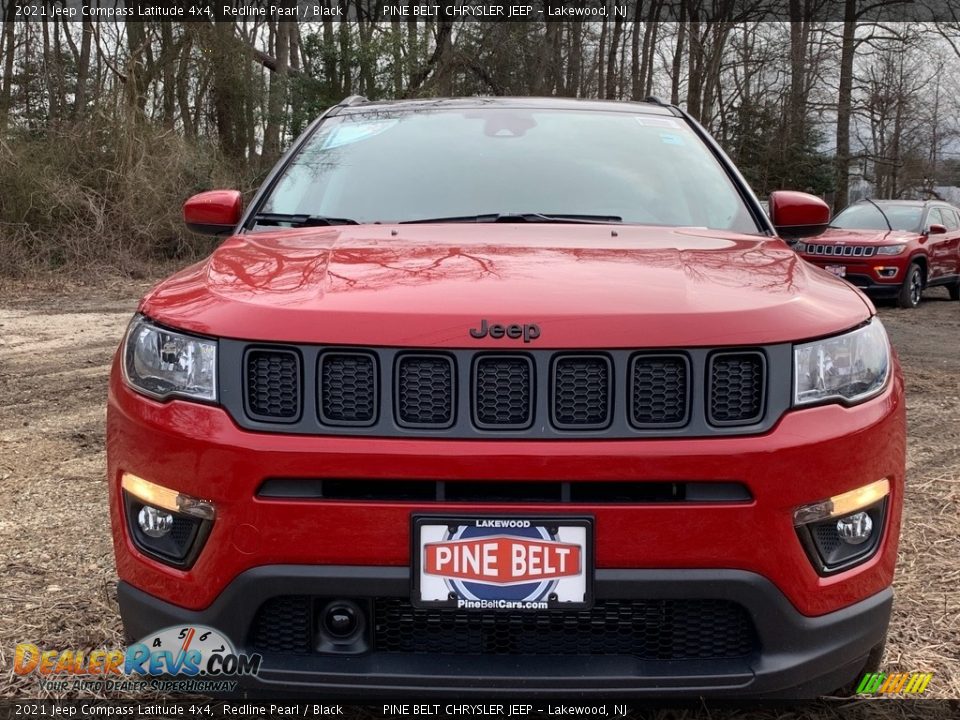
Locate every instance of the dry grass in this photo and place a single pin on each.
(103, 194)
(56, 340)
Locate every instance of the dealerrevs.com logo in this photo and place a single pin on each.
(192, 658)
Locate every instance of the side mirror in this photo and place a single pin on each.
(936, 229)
(797, 214)
(215, 212)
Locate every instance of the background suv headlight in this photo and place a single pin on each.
(847, 368)
(162, 363)
(890, 249)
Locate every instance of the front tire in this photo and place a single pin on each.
(912, 288)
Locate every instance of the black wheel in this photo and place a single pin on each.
(912, 287)
(954, 291)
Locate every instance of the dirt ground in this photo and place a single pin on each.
(58, 588)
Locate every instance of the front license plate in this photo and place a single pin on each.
(502, 563)
(838, 270)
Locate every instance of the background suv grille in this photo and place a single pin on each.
(273, 385)
(348, 388)
(736, 388)
(503, 392)
(581, 391)
(522, 393)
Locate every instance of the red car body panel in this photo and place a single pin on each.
(424, 286)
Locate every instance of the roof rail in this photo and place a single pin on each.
(654, 99)
(353, 100)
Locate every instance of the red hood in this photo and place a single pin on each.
(863, 237)
(585, 286)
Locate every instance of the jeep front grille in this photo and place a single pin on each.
(388, 392)
(348, 388)
(425, 391)
(659, 392)
(736, 388)
(503, 391)
(841, 250)
(273, 385)
(581, 391)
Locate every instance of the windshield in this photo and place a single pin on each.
(864, 216)
(402, 166)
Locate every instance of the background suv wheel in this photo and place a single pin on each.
(912, 288)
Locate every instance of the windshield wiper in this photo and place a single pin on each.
(879, 210)
(300, 220)
(521, 218)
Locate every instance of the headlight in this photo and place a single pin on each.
(890, 249)
(800, 247)
(849, 367)
(162, 363)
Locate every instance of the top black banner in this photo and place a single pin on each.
(449, 11)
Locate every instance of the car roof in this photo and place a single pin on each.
(359, 105)
(904, 203)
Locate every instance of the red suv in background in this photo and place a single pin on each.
(511, 396)
(892, 248)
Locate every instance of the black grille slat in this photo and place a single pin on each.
(646, 629)
(348, 388)
(503, 392)
(659, 390)
(425, 391)
(581, 392)
(736, 389)
(273, 385)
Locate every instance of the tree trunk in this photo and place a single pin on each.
(848, 48)
(601, 58)
(183, 83)
(9, 50)
(83, 68)
(678, 56)
(136, 73)
(277, 103)
(636, 81)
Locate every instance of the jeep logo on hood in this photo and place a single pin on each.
(527, 332)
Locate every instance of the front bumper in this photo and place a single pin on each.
(864, 275)
(795, 656)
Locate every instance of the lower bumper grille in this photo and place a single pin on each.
(645, 629)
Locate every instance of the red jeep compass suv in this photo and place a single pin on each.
(521, 396)
(892, 248)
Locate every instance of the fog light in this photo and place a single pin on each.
(855, 529)
(155, 523)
